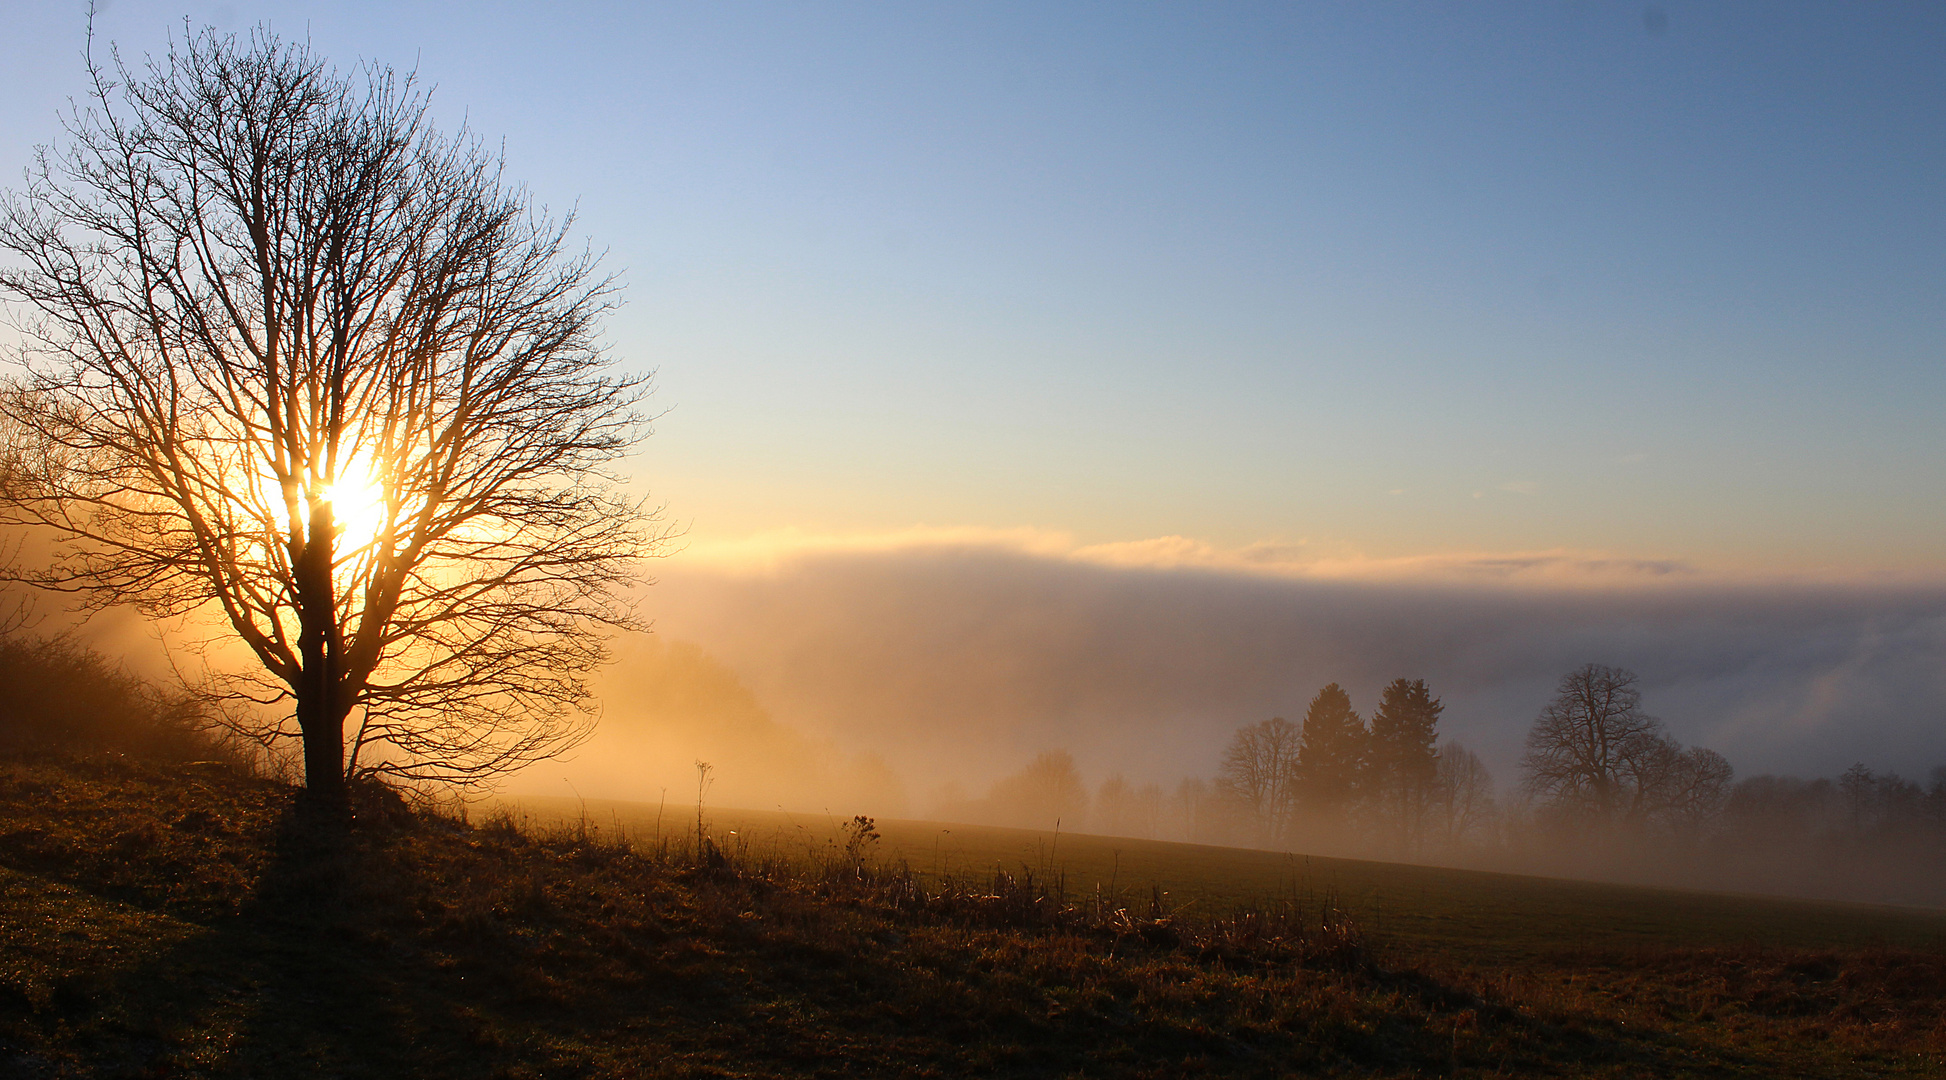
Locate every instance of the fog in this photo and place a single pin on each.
(666, 706)
(960, 662)
(1004, 682)
(1022, 683)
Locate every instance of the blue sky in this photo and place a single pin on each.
(1367, 281)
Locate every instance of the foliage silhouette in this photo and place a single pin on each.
(302, 362)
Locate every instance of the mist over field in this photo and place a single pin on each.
(959, 662)
(1019, 684)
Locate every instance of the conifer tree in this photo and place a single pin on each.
(1331, 751)
(1402, 762)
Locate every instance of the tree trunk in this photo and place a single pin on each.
(320, 714)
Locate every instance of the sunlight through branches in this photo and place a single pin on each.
(301, 361)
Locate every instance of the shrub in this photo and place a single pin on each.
(57, 695)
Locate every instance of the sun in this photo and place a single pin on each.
(357, 507)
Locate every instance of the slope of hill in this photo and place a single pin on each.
(186, 920)
(1511, 918)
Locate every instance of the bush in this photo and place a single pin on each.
(59, 696)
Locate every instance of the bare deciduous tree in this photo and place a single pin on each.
(1589, 744)
(1122, 809)
(1462, 794)
(1047, 794)
(1190, 807)
(1594, 753)
(1693, 789)
(1259, 774)
(300, 361)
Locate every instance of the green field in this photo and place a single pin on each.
(1486, 917)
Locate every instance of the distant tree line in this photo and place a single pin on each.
(1280, 782)
(1603, 790)
(1594, 760)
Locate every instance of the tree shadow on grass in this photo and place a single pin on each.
(307, 977)
(400, 946)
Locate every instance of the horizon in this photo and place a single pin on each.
(1533, 308)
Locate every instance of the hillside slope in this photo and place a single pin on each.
(185, 920)
(1509, 918)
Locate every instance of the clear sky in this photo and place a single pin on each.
(1370, 280)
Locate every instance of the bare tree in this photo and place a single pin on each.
(302, 362)
(1259, 775)
(1693, 789)
(1047, 794)
(1858, 785)
(1462, 794)
(1886, 801)
(1191, 812)
(1122, 809)
(1594, 753)
(1590, 748)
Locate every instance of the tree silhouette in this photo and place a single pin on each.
(1122, 809)
(1693, 788)
(1047, 794)
(1580, 748)
(300, 361)
(1400, 758)
(1331, 751)
(1462, 796)
(1859, 784)
(1259, 774)
(1593, 753)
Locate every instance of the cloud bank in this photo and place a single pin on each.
(959, 655)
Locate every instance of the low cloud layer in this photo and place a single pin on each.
(959, 657)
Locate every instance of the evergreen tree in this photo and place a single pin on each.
(1331, 751)
(1402, 762)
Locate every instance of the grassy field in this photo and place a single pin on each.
(1488, 917)
(185, 920)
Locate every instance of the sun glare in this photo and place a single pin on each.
(357, 506)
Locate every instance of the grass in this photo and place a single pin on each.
(1488, 917)
(187, 921)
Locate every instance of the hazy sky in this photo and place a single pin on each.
(1360, 280)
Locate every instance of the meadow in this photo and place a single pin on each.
(1487, 917)
(190, 919)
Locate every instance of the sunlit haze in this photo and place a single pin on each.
(1573, 331)
(977, 538)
